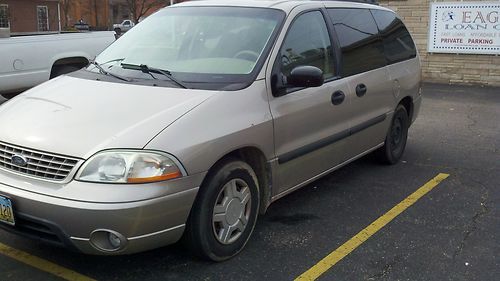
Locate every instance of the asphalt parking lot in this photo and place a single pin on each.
(450, 233)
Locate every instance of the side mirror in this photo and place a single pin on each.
(306, 76)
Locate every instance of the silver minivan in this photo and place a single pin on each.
(198, 118)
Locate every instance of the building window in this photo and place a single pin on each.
(43, 18)
(4, 16)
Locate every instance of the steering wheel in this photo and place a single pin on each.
(246, 54)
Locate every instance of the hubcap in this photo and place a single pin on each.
(396, 133)
(232, 211)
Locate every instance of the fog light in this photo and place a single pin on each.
(108, 240)
(114, 240)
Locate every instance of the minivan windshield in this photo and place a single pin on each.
(200, 45)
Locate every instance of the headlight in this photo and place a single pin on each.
(129, 166)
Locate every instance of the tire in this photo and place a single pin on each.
(63, 69)
(395, 141)
(216, 229)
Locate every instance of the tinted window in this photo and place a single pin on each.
(362, 48)
(398, 44)
(308, 43)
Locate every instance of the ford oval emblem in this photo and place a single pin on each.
(19, 160)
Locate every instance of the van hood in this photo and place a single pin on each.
(78, 117)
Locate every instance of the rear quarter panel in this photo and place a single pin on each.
(406, 77)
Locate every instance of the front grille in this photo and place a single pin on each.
(39, 164)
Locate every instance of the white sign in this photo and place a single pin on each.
(465, 27)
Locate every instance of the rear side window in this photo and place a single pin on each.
(362, 48)
(398, 44)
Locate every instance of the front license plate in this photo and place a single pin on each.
(6, 213)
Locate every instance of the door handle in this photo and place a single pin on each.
(361, 90)
(338, 97)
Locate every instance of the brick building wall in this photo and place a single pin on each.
(23, 15)
(444, 68)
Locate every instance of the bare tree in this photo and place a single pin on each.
(139, 8)
(66, 4)
(96, 10)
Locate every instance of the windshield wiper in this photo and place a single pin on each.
(103, 71)
(110, 61)
(146, 69)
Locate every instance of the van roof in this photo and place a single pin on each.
(285, 5)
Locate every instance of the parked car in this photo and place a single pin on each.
(27, 61)
(82, 25)
(125, 26)
(195, 121)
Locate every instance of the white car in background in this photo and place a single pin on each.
(125, 26)
(27, 61)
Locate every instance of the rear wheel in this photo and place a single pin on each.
(395, 141)
(225, 212)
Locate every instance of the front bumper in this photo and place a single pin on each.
(144, 224)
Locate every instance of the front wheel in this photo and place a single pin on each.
(225, 212)
(395, 141)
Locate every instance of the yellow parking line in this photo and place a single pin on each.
(334, 257)
(42, 264)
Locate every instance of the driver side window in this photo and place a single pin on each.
(308, 43)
